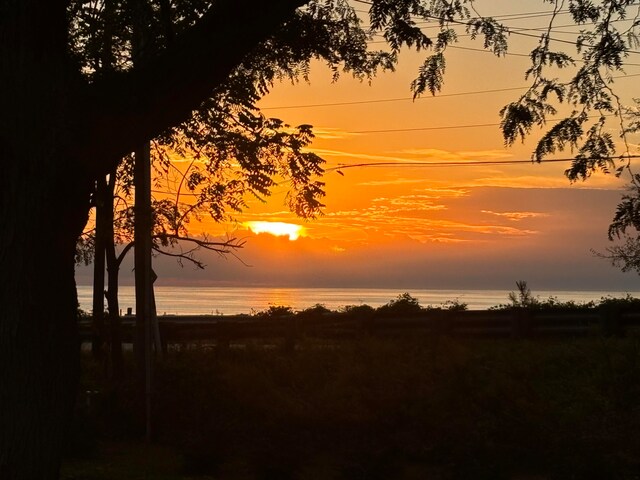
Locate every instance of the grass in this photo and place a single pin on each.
(126, 460)
(375, 409)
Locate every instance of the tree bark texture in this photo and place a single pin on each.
(43, 207)
(58, 135)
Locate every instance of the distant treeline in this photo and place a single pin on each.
(405, 305)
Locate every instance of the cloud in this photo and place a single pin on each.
(328, 133)
(533, 181)
(442, 155)
(516, 216)
(425, 154)
(360, 156)
(414, 221)
(395, 181)
(412, 202)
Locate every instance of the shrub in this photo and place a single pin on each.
(403, 305)
(275, 311)
(450, 306)
(625, 302)
(318, 310)
(358, 311)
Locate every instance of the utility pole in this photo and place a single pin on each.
(97, 343)
(144, 286)
(143, 229)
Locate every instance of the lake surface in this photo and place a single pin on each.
(233, 300)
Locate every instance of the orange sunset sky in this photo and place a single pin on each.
(446, 226)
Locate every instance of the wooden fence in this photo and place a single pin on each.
(513, 323)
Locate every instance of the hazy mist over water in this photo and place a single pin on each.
(233, 300)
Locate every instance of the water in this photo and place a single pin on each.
(233, 300)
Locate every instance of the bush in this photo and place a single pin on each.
(318, 310)
(403, 305)
(276, 311)
(622, 303)
(450, 306)
(358, 311)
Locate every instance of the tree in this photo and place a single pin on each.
(523, 298)
(626, 221)
(236, 150)
(58, 134)
(64, 126)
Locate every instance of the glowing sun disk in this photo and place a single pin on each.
(279, 229)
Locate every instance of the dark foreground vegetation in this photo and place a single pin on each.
(418, 407)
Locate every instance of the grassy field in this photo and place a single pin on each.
(411, 408)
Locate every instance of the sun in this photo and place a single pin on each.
(279, 229)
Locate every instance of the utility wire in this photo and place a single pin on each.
(399, 99)
(440, 164)
(424, 129)
(458, 22)
(462, 164)
(447, 127)
(429, 25)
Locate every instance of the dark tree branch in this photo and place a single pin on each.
(222, 248)
(124, 252)
(125, 109)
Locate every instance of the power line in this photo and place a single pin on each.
(441, 164)
(530, 35)
(511, 17)
(429, 25)
(446, 127)
(399, 99)
(515, 32)
(513, 54)
(424, 129)
(463, 164)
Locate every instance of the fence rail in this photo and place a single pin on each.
(513, 323)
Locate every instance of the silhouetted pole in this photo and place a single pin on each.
(142, 237)
(97, 342)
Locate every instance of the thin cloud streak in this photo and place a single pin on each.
(517, 216)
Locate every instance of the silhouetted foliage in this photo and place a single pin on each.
(524, 297)
(626, 302)
(450, 306)
(403, 305)
(78, 97)
(316, 311)
(276, 311)
(358, 311)
(369, 409)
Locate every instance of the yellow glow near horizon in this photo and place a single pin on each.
(279, 229)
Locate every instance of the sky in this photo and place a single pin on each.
(446, 226)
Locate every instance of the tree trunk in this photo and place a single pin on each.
(44, 200)
(115, 330)
(116, 362)
(142, 234)
(58, 134)
(39, 359)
